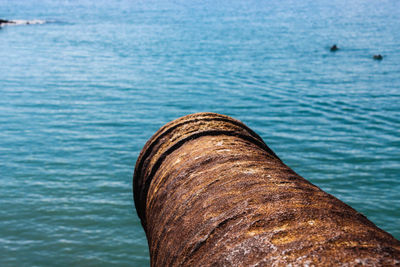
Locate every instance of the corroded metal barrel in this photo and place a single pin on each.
(209, 191)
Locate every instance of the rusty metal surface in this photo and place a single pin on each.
(210, 192)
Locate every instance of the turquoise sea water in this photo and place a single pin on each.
(81, 93)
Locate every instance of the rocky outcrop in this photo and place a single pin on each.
(4, 21)
(22, 22)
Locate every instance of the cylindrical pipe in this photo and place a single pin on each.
(209, 191)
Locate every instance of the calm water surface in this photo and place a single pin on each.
(81, 94)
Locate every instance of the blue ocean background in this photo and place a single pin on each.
(81, 93)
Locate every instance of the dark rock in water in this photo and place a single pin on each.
(378, 57)
(334, 48)
(4, 21)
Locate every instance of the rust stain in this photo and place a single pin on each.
(209, 192)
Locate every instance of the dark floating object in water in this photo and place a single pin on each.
(210, 192)
(334, 48)
(378, 57)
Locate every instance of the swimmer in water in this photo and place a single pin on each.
(334, 48)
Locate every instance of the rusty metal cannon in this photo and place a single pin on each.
(209, 191)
